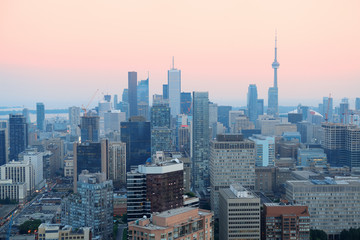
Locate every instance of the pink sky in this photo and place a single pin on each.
(60, 52)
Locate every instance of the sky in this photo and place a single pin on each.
(60, 52)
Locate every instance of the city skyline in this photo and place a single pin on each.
(219, 48)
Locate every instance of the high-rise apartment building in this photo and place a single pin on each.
(232, 160)
(91, 206)
(200, 143)
(40, 116)
(137, 136)
(132, 94)
(179, 223)
(252, 102)
(74, 120)
(333, 203)
(285, 222)
(154, 188)
(239, 215)
(18, 135)
(116, 168)
(265, 150)
(90, 128)
(273, 103)
(174, 90)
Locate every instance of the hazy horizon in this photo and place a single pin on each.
(59, 53)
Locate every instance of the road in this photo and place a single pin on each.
(5, 227)
(120, 231)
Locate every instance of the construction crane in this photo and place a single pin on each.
(91, 99)
(10, 225)
(327, 109)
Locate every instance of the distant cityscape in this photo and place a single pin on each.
(183, 167)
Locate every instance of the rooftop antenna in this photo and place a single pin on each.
(173, 63)
(148, 75)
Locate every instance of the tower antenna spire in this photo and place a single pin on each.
(173, 65)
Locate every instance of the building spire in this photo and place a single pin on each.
(275, 45)
(173, 63)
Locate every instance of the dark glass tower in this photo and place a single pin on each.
(132, 94)
(223, 115)
(2, 146)
(252, 103)
(18, 133)
(136, 135)
(40, 116)
(185, 103)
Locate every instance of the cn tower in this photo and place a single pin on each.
(273, 106)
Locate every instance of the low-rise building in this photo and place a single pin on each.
(179, 223)
(48, 231)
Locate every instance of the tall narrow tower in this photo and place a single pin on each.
(273, 104)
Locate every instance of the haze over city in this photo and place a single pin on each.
(59, 53)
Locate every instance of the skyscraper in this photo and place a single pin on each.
(186, 103)
(132, 86)
(232, 160)
(143, 98)
(18, 134)
(273, 104)
(223, 115)
(40, 116)
(328, 108)
(165, 91)
(260, 107)
(252, 102)
(357, 104)
(136, 135)
(91, 156)
(3, 146)
(174, 90)
(90, 128)
(74, 120)
(344, 111)
(161, 134)
(116, 169)
(200, 149)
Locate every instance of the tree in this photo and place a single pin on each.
(318, 235)
(29, 225)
